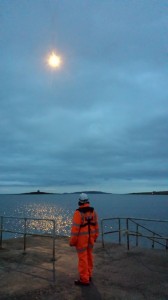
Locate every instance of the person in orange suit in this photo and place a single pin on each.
(84, 232)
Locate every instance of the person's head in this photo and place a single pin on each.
(83, 199)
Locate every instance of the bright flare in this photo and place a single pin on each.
(54, 60)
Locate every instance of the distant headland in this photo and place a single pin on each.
(39, 193)
(151, 193)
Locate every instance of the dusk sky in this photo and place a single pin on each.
(100, 120)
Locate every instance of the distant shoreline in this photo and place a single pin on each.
(150, 193)
(41, 193)
(91, 192)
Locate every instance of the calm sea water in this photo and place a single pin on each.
(61, 208)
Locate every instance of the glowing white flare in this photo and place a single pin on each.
(54, 60)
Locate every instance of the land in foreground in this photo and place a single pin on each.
(118, 273)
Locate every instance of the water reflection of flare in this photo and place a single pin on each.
(62, 217)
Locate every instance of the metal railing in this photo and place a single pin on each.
(24, 231)
(127, 231)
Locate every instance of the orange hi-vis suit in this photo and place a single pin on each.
(84, 233)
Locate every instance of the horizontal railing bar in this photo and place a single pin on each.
(38, 234)
(115, 218)
(122, 230)
(145, 219)
(107, 232)
(11, 231)
(27, 233)
(132, 218)
(27, 218)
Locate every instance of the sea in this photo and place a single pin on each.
(60, 207)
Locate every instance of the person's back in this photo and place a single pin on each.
(84, 233)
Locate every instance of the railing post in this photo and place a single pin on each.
(119, 228)
(25, 232)
(137, 233)
(53, 240)
(102, 233)
(1, 231)
(127, 234)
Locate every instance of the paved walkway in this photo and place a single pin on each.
(118, 274)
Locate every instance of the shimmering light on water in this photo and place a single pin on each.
(38, 209)
(61, 208)
(61, 216)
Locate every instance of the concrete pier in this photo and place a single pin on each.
(118, 273)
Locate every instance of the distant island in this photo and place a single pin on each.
(151, 193)
(36, 193)
(39, 193)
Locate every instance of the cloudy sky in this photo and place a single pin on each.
(100, 121)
